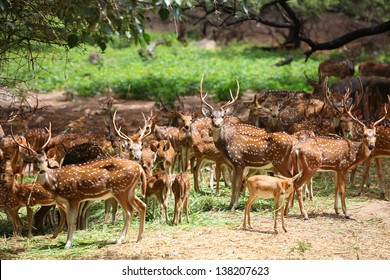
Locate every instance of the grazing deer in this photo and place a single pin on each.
(374, 68)
(158, 188)
(11, 205)
(333, 154)
(263, 186)
(100, 179)
(246, 146)
(336, 68)
(181, 190)
(29, 195)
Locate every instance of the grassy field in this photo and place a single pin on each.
(174, 70)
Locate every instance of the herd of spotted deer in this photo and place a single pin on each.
(292, 134)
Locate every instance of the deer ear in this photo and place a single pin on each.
(206, 112)
(229, 111)
(153, 146)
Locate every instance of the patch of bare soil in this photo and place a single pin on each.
(324, 236)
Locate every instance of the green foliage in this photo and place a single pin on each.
(174, 70)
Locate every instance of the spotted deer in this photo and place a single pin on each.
(181, 190)
(246, 146)
(263, 186)
(29, 195)
(164, 155)
(203, 147)
(337, 155)
(11, 205)
(100, 179)
(158, 188)
(135, 144)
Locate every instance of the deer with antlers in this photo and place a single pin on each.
(246, 146)
(333, 154)
(96, 180)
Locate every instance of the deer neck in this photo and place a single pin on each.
(361, 152)
(48, 179)
(220, 136)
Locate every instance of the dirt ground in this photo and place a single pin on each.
(325, 236)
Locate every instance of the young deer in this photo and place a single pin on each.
(158, 187)
(164, 155)
(100, 179)
(29, 195)
(181, 190)
(263, 186)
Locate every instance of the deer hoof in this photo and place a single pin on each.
(347, 217)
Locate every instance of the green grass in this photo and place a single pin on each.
(174, 70)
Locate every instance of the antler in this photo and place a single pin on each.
(346, 96)
(384, 116)
(48, 138)
(203, 97)
(118, 131)
(234, 99)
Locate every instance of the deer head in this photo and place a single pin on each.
(217, 115)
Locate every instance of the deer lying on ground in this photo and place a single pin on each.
(158, 187)
(181, 190)
(100, 179)
(263, 186)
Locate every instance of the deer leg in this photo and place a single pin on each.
(380, 176)
(16, 221)
(196, 174)
(352, 177)
(217, 176)
(365, 175)
(342, 179)
(212, 173)
(282, 215)
(186, 205)
(61, 222)
(247, 211)
(165, 206)
(107, 206)
(140, 206)
(276, 211)
(30, 213)
(238, 173)
(336, 193)
(114, 205)
(226, 176)
(71, 220)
